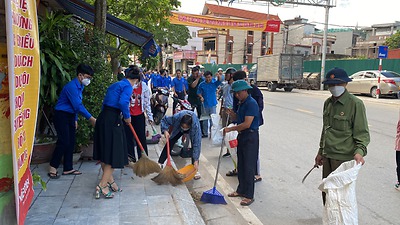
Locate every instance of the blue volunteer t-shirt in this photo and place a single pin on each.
(178, 84)
(208, 91)
(248, 107)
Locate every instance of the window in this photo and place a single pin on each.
(249, 49)
(194, 34)
(229, 47)
(250, 32)
(209, 44)
(263, 35)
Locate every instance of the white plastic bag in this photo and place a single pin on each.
(340, 189)
(216, 132)
(231, 139)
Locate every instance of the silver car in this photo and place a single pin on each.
(366, 82)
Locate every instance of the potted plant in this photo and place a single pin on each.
(55, 64)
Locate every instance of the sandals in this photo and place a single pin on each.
(234, 195)
(53, 175)
(99, 191)
(197, 176)
(231, 173)
(247, 201)
(112, 188)
(72, 172)
(257, 179)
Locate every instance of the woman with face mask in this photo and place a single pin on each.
(175, 126)
(65, 120)
(139, 104)
(109, 146)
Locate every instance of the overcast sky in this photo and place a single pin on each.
(346, 13)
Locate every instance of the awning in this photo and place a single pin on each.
(114, 26)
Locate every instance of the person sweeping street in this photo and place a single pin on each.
(177, 125)
(109, 146)
(247, 118)
(68, 106)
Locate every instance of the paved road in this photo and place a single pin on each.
(288, 144)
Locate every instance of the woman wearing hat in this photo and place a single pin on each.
(247, 118)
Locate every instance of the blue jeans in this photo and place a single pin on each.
(208, 111)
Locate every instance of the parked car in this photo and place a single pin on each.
(366, 82)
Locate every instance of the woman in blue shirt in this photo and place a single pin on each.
(65, 119)
(109, 145)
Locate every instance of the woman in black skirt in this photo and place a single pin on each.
(109, 137)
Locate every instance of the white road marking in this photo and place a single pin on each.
(304, 111)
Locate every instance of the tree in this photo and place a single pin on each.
(149, 15)
(394, 41)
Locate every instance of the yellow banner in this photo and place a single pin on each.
(224, 23)
(24, 78)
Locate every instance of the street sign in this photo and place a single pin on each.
(383, 52)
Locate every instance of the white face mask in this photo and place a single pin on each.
(86, 81)
(337, 91)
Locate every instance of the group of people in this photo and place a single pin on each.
(345, 134)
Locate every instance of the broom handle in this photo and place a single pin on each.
(136, 137)
(154, 129)
(168, 154)
(220, 154)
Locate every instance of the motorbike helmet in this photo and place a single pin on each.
(230, 70)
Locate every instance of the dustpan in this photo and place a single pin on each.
(188, 171)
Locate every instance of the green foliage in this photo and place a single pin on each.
(150, 15)
(393, 42)
(38, 179)
(90, 48)
(54, 57)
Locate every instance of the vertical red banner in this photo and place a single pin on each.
(24, 77)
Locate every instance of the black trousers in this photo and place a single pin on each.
(247, 154)
(64, 123)
(172, 141)
(398, 165)
(181, 95)
(139, 124)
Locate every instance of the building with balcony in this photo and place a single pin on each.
(373, 37)
(236, 46)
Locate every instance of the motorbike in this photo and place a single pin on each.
(159, 104)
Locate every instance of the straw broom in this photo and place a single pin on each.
(168, 174)
(144, 166)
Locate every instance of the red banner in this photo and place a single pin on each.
(224, 23)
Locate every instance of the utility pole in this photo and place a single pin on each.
(324, 45)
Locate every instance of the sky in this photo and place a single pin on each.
(347, 13)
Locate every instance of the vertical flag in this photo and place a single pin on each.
(24, 79)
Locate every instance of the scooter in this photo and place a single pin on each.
(159, 104)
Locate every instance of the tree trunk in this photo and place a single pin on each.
(100, 17)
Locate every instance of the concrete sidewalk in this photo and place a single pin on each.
(70, 199)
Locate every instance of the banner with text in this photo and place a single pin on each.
(224, 23)
(24, 78)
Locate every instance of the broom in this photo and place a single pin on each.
(144, 166)
(213, 196)
(168, 174)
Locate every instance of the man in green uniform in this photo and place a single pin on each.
(345, 133)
